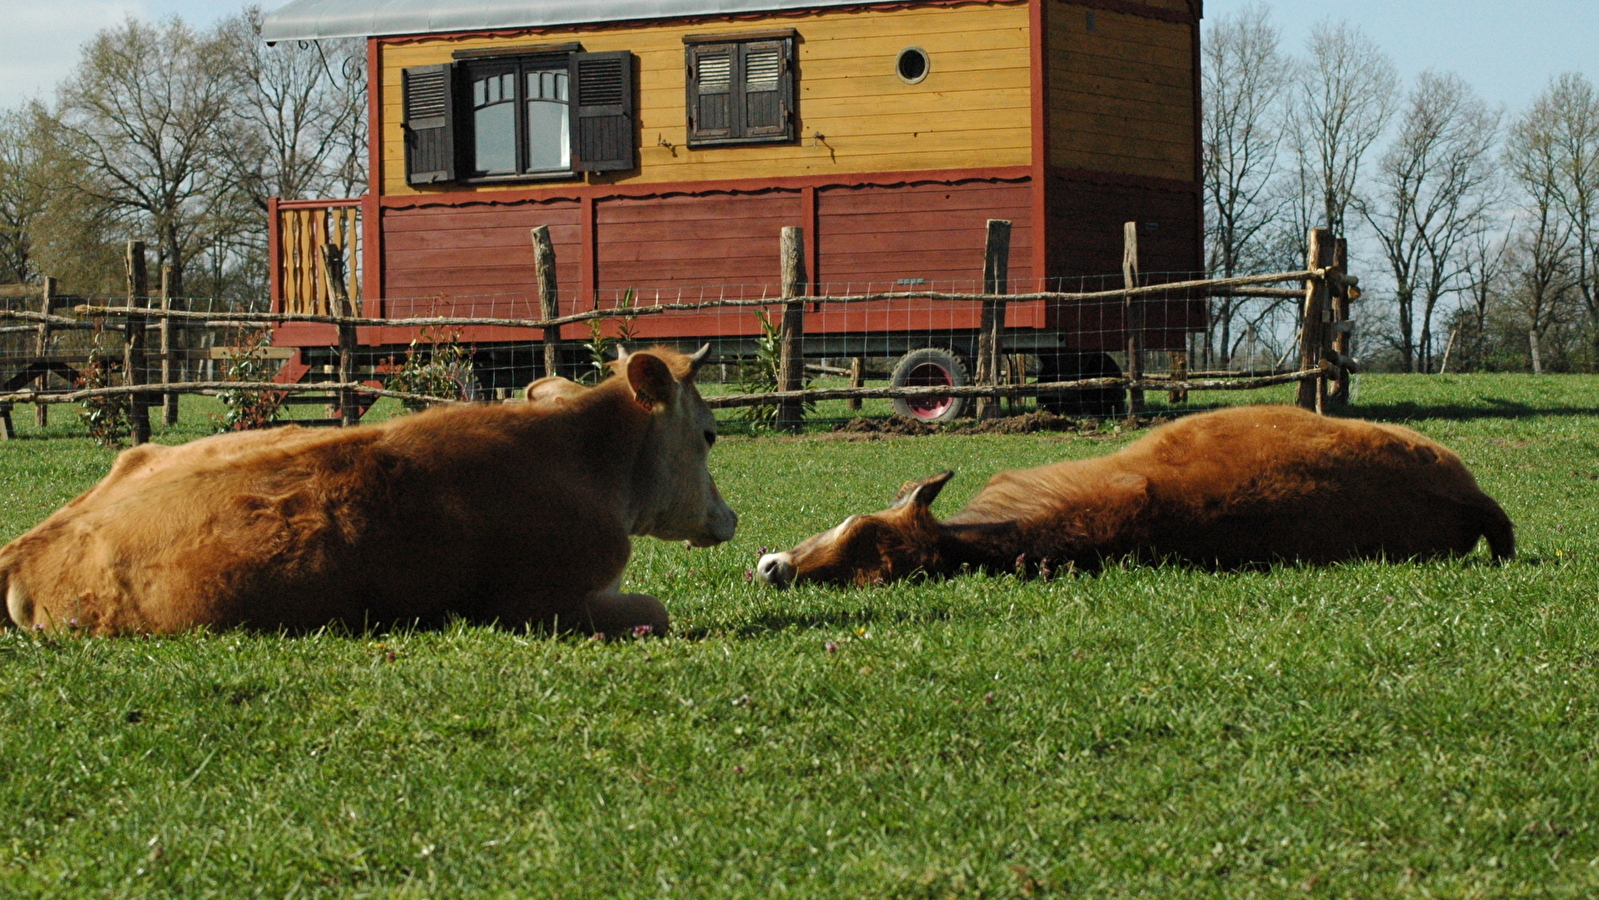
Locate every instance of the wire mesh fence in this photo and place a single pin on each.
(782, 353)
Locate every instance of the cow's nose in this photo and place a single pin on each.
(775, 569)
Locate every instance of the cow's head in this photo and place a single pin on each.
(894, 543)
(684, 503)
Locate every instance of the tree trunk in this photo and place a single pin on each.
(1532, 344)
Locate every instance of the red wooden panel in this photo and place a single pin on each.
(1085, 239)
(477, 260)
(693, 243)
(935, 232)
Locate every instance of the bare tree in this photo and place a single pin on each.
(1344, 94)
(1484, 271)
(1243, 77)
(24, 196)
(1546, 266)
(144, 111)
(1566, 116)
(298, 128)
(1434, 187)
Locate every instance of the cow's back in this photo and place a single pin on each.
(1255, 484)
(296, 529)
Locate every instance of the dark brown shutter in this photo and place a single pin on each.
(602, 111)
(429, 98)
(767, 80)
(711, 77)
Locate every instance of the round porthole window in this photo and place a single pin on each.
(911, 65)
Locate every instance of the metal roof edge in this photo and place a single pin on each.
(310, 20)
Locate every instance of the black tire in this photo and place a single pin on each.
(1074, 365)
(928, 366)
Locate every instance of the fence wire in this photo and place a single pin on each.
(921, 339)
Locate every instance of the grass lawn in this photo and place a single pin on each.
(1360, 731)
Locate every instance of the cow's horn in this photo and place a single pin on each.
(621, 352)
(698, 358)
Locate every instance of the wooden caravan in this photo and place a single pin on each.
(665, 144)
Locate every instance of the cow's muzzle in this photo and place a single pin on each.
(720, 528)
(776, 570)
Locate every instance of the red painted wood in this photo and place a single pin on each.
(1038, 41)
(599, 192)
(372, 255)
(274, 255)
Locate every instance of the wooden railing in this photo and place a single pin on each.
(299, 232)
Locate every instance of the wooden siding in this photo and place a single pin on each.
(1085, 241)
(464, 260)
(972, 110)
(1120, 97)
(720, 242)
(874, 236)
(458, 259)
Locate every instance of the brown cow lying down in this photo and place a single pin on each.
(1243, 486)
(517, 513)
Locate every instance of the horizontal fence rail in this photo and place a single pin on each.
(1002, 372)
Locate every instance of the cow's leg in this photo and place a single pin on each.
(614, 613)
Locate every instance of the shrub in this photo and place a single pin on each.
(106, 416)
(249, 409)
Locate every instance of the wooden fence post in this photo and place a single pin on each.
(1132, 318)
(996, 280)
(1340, 323)
(857, 378)
(338, 286)
(791, 359)
(1312, 340)
(47, 296)
(549, 297)
(169, 399)
(133, 356)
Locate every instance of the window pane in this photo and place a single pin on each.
(548, 142)
(494, 124)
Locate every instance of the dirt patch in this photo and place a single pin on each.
(1030, 423)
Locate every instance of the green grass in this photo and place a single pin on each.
(1359, 731)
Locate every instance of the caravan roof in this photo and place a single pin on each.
(303, 20)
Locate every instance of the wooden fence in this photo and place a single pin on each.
(1322, 287)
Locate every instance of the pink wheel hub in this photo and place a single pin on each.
(929, 375)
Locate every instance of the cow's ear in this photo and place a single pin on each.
(922, 492)
(651, 380)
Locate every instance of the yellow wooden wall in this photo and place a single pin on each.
(971, 111)
(1121, 97)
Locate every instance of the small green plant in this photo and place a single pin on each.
(106, 416)
(759, 375)
(436, 365)
(250, 409)
(599, 344)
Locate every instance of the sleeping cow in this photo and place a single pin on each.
(517, 513)
(1239, 487)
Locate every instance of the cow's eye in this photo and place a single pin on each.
(710, 439)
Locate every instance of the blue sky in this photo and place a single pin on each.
(1508, 51)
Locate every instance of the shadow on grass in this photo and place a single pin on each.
(1496, 408)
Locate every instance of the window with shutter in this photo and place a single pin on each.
(741, 88)
(507, 114)
(428, 99)
(603, 111)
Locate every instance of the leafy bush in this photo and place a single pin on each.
(249, 409)
(106, 416)
(599, 344)
(436, 366)
(760, 374)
